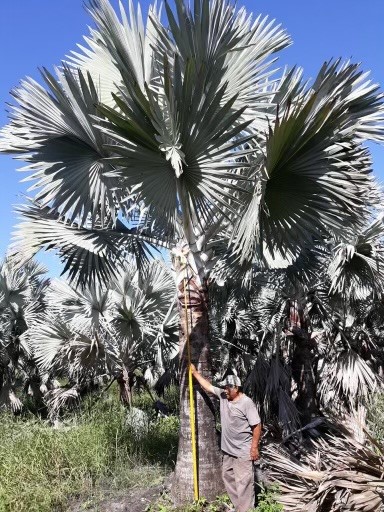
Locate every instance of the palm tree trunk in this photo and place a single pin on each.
(303, 375)
(195, 319)
(124, 387)
(302, 363)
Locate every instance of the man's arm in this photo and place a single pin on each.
(256, 433)
(204, 383)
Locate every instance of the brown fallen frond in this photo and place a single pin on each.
(337, 473)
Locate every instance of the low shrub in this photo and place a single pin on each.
(267, 500)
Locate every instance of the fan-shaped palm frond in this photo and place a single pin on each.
(14, 287)
(200, 142)
(68, 152)
(227, 44)
(312, 160)
(127, 45)
(133, 316)
(143, 303)
(350, 376)
(87, 305)
(193, 168)
(73, 349)
(357, 268)
(89, 254)
(49, 338)
(158, 282)
(270, 306)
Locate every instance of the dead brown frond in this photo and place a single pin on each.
(337, 473)
(60, 398)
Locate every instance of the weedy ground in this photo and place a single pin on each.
(266, 503)
(96, 461)
(94, 452)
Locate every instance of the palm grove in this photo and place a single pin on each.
(176, 133)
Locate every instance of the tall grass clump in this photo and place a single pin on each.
(99, 447)
(375, 416)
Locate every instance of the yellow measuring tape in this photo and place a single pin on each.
(191, 396)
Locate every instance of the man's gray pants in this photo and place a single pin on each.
(239, 482)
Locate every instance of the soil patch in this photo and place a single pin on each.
(132, 500)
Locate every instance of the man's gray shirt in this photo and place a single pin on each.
(237, 418)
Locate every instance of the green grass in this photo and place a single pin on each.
(170, 399)
(96, 454)
(267, 502)
(41, 468)
(375, 416)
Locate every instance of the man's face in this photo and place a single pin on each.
(231, 392)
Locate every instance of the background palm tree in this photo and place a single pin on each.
(304, 346)
(22, 301)
(90, 335)
(179, 136)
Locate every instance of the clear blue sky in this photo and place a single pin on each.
(35, 33)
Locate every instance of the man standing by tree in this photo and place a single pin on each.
(240, 436)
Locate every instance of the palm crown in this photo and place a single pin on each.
(166, 135)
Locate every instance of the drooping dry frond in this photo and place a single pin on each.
(60, 398)
(337, 473)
